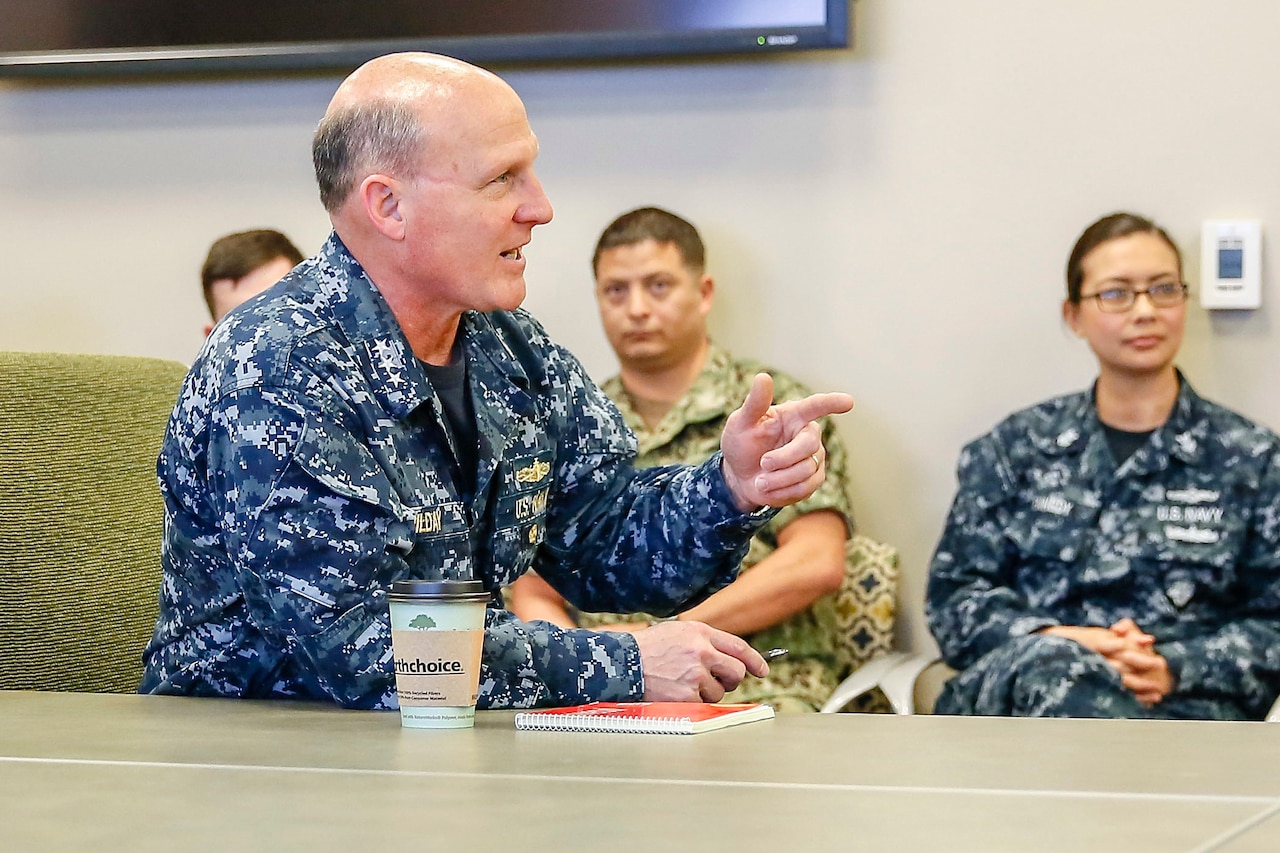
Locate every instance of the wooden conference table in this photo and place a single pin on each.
(105, 772)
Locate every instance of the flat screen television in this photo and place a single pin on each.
(87, 37)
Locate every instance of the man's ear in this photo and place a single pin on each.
(380, 200)
(707, 288)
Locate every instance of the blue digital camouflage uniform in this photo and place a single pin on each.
(305, 468)
(688, 434)
(1183, 538)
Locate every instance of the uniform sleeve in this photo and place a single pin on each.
(624, 540)
(972, 606)
(656, 541)
(533, 664)
(1241, 658)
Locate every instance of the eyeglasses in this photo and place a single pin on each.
(1166, 294)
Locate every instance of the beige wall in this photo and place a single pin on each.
(891, 220)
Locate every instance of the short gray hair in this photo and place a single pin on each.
(378, 135)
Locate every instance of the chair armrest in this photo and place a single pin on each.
(899, 683)
(895, 674)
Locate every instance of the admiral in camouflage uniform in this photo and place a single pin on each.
(306, 468)
(1184, 538)
(690, 433)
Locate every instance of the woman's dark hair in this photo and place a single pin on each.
(1108, 228)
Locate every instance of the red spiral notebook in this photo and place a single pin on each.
(656, 718)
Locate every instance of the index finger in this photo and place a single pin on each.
(819, 405)
(1140, 660)
(1107, 646)
(735, 646)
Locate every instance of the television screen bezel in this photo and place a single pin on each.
(336, 54)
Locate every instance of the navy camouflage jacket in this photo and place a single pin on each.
(305, 468)
(1184, 538)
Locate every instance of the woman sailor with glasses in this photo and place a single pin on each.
(1115, 552)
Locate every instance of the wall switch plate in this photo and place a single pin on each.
(1231, 264)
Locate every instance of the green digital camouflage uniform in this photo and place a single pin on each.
(689, 434)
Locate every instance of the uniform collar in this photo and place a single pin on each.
(498, 358)
(712, 393)
(364, 318)
(1185, 433)
(499, 362)
(1077, 430)
(366, 321)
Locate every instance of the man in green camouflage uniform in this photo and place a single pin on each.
(654, 295)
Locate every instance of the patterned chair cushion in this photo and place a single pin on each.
(865, 604)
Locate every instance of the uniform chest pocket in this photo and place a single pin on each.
(407, 509)
(1050, 527)
(439, 542)
(1190, 551)
(1049, 534)
(522, 490)
(347, 469)
(520, 509)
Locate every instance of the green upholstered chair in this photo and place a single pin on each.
(80, 517)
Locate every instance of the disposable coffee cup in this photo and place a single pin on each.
(437, 632)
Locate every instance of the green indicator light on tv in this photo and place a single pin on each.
(760, 40)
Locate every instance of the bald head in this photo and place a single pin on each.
(426, 165)
(404, 78)
(380, 117)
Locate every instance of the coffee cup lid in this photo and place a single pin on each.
(438, 587)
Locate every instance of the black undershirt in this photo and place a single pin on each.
(450, 384)
(1123, 443)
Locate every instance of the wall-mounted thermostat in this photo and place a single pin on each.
(1231, 264)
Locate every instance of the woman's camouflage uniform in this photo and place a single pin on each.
(1183, 538)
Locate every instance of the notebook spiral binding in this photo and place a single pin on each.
(592, 723)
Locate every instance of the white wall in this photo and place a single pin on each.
(891, 220)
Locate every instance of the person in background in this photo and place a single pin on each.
(388, 412)
(242, 265)
(675, 390)
(1115, 552)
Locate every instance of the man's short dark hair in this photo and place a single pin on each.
(661, 226)
(236, 255)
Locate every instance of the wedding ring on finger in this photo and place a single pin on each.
(817, 466)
